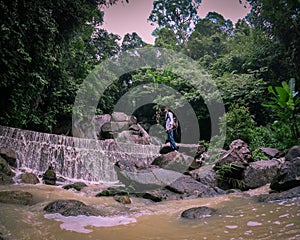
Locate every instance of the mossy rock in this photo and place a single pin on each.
(16, 197)
(77, 186)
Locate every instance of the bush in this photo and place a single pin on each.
(239, 124)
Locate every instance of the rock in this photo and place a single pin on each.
(29, 178)
(193, 150)
(113, 191)
(238, 153)
(49, 176)
(6, 174)
(260, 173)
(289, 194)
(155, 196)
(71, 208)
(148, 179)
(123, 199)
(77, 186)
(16, 197)
(131, 165)
(198, 212)
(270, 152)
(293, 153)
(9, 155)
(288, 175)
(175, 161)
(190, 187)
(99, 120)
(205, 175)
(120, 117)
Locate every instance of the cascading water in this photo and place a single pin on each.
(74, 158)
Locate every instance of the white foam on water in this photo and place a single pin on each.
(253, 224)
(231, 226)
(79, 223)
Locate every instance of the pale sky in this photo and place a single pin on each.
(128, 18)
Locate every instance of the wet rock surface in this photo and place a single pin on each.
(28, 178)
(72, 208)
(6, 174)
(16, 197)
(77, 186)
(288, 176)
(198, 213)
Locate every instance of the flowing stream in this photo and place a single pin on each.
(238, 217)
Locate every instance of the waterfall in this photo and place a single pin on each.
(74, 158)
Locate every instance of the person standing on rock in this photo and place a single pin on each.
(170, 128)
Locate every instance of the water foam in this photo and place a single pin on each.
(79, 223)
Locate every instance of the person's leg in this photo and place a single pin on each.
(172, 141)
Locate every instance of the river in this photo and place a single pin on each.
(238, 217)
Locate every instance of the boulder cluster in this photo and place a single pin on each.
(190, 173)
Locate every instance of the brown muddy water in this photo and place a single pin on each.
(238, 217)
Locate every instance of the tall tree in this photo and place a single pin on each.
(177, 15)
(166, 38)
(131, 41)
(46, 51)
(280, 21)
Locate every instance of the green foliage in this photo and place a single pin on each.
(258, 155)
(131, 41)
(46, 52)
(239, 124)
(226, 174)
(165, 38)
(287, 105)
(241, 89)
(280, 22)
(176, 15)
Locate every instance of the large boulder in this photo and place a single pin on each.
(71, 208)
(16, 197)
(189, 187)
(28, 178)
(198, 212)
(238, 152)
(293, 153)
(122, 127)
(99, 120)
(277, 196)
(205, 175)
(9, 155)
(260, 173)
(147, 179)
(6, 174)
(231, 165)
(288, 175)
(175, 161)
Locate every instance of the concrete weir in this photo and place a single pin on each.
(75, 158)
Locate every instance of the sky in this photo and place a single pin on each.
(125, 18)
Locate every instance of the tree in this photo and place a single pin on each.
(166, 38)
(280, 21)
(132, 41)
(45, 54)
(177, 15)
(105, 43)
(209, 37)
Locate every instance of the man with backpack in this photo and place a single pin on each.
(170, 128)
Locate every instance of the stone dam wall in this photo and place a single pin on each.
(74, 158)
